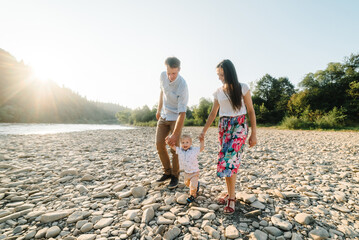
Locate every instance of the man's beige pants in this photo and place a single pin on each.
(164, 128)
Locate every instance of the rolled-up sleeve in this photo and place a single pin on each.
(183, 99)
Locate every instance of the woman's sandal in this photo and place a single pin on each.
(223, 199)
(229, 210)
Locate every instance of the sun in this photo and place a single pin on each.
(41, 71)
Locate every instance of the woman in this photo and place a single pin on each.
(233, 100)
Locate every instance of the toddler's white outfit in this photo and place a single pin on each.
(189, 163)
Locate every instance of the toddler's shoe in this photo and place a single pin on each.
(190, 199)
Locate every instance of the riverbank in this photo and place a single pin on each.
(101, 184)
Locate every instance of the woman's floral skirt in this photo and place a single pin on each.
(232, 136)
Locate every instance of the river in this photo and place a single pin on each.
(41, 128)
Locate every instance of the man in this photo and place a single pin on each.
(171, 114)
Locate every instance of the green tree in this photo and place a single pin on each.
(336, 86)
(272, 95)
(201, 112)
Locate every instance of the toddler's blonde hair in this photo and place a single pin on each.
(186, 135)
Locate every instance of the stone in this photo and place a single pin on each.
(76, 216)
(102, 195)
(284, 225)
(245, 197)
(87, 177)
(319, 234)
(131, 214)
(209, 216)
(24, 207)
(258, 204)
(87, 237)
(86, 227)
(253, 213)
(258, 235)
(183, 220)
(41, 233)
(104, 222)
(349, 231)
(53, 232)
(169, 215)
(14, 215)
(172, 233)
(69, 172)
(304, 218)
(212, 232)
(214, 207)
(34, 214)
(80, 223)
(54, 216)
(195, 214)
(127, 224)
(170, 200)
(82, 189)
(18, 229)
(30, 234)
(119, 187)
(231, 232)
(278, 193)
(138, 192)
(130, 230)
(182, 199)
(187, 237)
(340, 196)
(273, 231)
(149, 200)
(296, 236)
(148, 215)
(341, 208)
(162, 220)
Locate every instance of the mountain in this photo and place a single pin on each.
(24, 99)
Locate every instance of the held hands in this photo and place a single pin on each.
(171, 140)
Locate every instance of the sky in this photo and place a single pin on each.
(114, 50)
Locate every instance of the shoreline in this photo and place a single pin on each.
(295, 184)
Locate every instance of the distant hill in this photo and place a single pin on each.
(24, 99)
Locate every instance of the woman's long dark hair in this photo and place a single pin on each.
(234, 90)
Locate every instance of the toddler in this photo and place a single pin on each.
(187, 157)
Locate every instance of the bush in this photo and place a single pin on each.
(293, 122)
(309, 119)
(333, 119)
(189, 122)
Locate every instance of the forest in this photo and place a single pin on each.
(326, 99)
(24, 99)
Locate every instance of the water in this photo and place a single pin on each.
(39, 128)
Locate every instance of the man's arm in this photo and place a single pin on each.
(160, 104)
(171, 140)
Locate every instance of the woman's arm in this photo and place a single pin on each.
(252, 118)
(201, 148)
(210, 118)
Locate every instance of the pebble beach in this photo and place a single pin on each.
(102, 185)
